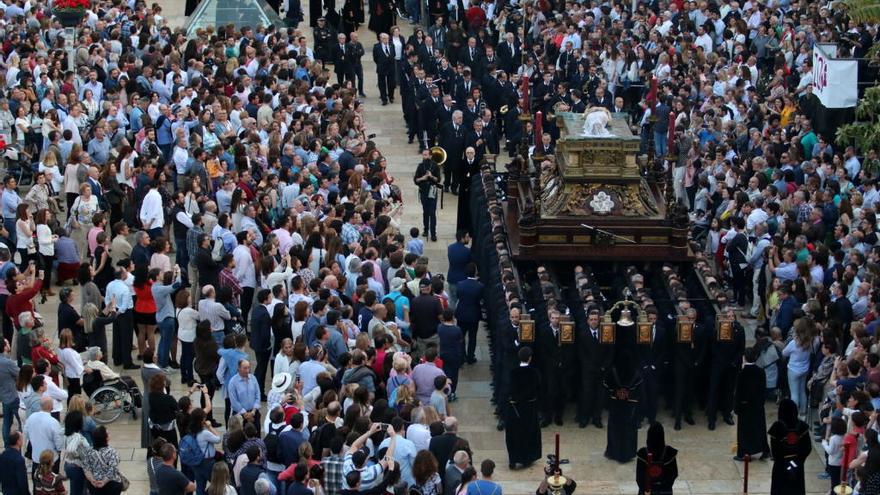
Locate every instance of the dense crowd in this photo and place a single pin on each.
(228, 220)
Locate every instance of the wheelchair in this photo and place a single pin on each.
(111, 398)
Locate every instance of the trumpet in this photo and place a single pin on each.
(438, 155)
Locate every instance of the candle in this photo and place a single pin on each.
(652, 93)
(650, 475)
(524, 88)
(671, 136)
(538, 129)
(746, 459)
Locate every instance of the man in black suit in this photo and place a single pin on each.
(451, 139)
(443, 445)
(342, 64)
(469, 111)
(468, 311)
(464, 86)
(356, 50)
(509, 54)
(726, 362)
(653, 359)
(618, 105)
(472, 56)
(428, 113)
(444, 112)
(261, 336)
(578, 105)
(490, 131)
(591, 355)
(477, 140)
(383, 56)
(556, 368)
(602, 98)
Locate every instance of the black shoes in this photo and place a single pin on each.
(677, 426)
(582, 424)
(729, 420)
(433, 238)
(130, 366)
(174, 365)
(689, 420)
(711, 425)
(545, 423)
(558, 420)
(500, 425)
(598, 423)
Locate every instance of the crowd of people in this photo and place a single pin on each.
(227, 220)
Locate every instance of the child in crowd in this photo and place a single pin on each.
(415, 245)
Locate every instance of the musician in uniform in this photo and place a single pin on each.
(556, 369)
(427, 178)
(591, 356)
(726, 361)
(523, 435)
(323, 41)
(656, 467)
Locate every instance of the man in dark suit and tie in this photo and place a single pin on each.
(602, 98)
(261, 336)
(556, 369)
(509, 54)
(618, 105)
(452, 140)
(592, 365)
(464, 86)
(342, 66)
(477, 140)
(468, 311)
(653, 359)
(472, 56)
(470, 166)
(383, 56)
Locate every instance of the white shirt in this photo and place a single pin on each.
(44, 433)
(57, 394)
(73, 365)
(244, 266)
(420, 435)
(151, 213)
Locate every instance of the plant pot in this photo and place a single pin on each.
(69, 17)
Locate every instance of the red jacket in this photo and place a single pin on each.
(18, 303)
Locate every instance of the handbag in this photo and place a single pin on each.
(125, 483)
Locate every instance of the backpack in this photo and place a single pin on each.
(190, 454)
(273, 446)
(316, 435)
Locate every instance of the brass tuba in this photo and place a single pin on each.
(438, 155)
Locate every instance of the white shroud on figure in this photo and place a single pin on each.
(596, 122)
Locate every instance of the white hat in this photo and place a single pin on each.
(281, 382)
(396, 284)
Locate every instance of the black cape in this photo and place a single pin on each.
(749, 408)
(790, 448)
(663, 471)
(523, 434)
(622, 424)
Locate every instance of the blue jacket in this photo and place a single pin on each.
(470, 299)
(14, 479)
(459, 256)
(309, 327)
(261, 329)
(288, 443)
(451, 343)
(785, 317)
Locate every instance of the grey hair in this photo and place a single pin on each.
(24, 318)
(261, 486)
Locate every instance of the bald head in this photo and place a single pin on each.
(46, 404)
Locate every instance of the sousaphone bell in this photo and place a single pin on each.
(438, 155)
